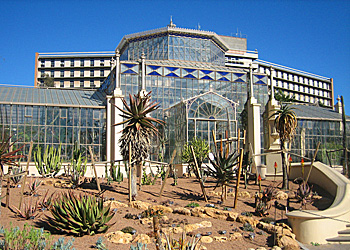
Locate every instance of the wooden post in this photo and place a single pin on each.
(130, 198)
(25, 176)
(167, 172)
(8, 186)
(238, 138)
(93, 165)
(238, 177)
(199, 174)
(312, 162)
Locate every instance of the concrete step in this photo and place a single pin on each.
(340, 239)
(346, 231)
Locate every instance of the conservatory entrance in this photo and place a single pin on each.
(198, 117)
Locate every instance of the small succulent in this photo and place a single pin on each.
(80, 214)
(100, 245)
(29, 210)
(46, 201)
(34, 186)
(304, 193)
(150, 213)
(192, 204)
(139, 246)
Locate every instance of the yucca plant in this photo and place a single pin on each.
(79, 214)
(222, 169)
(137, 131)
(304, 193)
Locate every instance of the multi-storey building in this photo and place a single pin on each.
(72, 69)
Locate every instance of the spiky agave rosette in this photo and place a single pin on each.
(80, 214)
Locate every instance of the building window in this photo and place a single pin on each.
(72, 62)
(43, 63)
(71, 84)
(28, 112)
(81, 83)
(72, 73)
(82, 73)
(61, 73)
(92, 72)
(92, 85)
(92, 62)
(52, 63)
(61, 84)
(81, 62)
(42, 73)
(52, 73)
(102, 63)
(62, 63)
(63, 112)
(102, 72)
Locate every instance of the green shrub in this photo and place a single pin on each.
(28, 238)
(61, 245)
(79, 214)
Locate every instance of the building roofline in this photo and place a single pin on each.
(291, 70)
(172, 29)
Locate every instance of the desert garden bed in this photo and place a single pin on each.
(223, 224)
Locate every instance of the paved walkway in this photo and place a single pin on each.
(326, 247)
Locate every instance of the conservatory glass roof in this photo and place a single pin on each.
(52, 97)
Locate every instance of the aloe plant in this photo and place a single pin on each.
(304, 193)
(29, 210)
(48, 164)
(186, 243)
(16, 179)
(80, 214)
(34, 186)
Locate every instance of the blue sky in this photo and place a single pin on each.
(313, 36)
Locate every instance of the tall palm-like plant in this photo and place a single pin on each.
(285, 124)
(138, 129)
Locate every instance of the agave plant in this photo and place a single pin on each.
(304, 193)
(222, 169)
(16, 179)
(137, 131)
(79, 214)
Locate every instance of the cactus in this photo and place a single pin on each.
(78, 165)
(50, 163)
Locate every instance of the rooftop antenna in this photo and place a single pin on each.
(199, 26)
